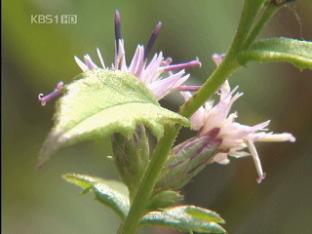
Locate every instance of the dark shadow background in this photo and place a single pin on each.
(36, 56)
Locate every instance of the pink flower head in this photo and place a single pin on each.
(158, 75)
(237, 139)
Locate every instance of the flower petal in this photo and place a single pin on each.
(162, 87)
(270, 137)
(221, 158)
(256, 158)
(197, 119)
(81, 64)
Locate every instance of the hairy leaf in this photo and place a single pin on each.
(186, 219)
(297, 52)
(102, 102)
(104, 191)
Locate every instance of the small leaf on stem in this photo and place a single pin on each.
(103, 190)
(186, 219)
(296, 52)
(164, 199)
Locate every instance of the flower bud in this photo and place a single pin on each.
(187, 160)
(131, 155)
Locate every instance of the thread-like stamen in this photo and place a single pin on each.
(152, 39)
(100, 57)
(50, 96)
(191, 64)
(190, 88)
(117, 30)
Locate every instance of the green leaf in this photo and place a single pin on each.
(186, 219)
(105, 191)
(164, 199)
(101, 102)
(204, 214)
(297, 52)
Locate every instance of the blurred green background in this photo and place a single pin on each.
(36, 56)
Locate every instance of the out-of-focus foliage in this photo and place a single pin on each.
(37, 55)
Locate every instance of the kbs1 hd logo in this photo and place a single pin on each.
(53, 19)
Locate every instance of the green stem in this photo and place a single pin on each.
(149, 180)
(217, 78)
(229, 64)
(250, 11)
(270, 10)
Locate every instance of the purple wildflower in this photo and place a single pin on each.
(158, 75)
